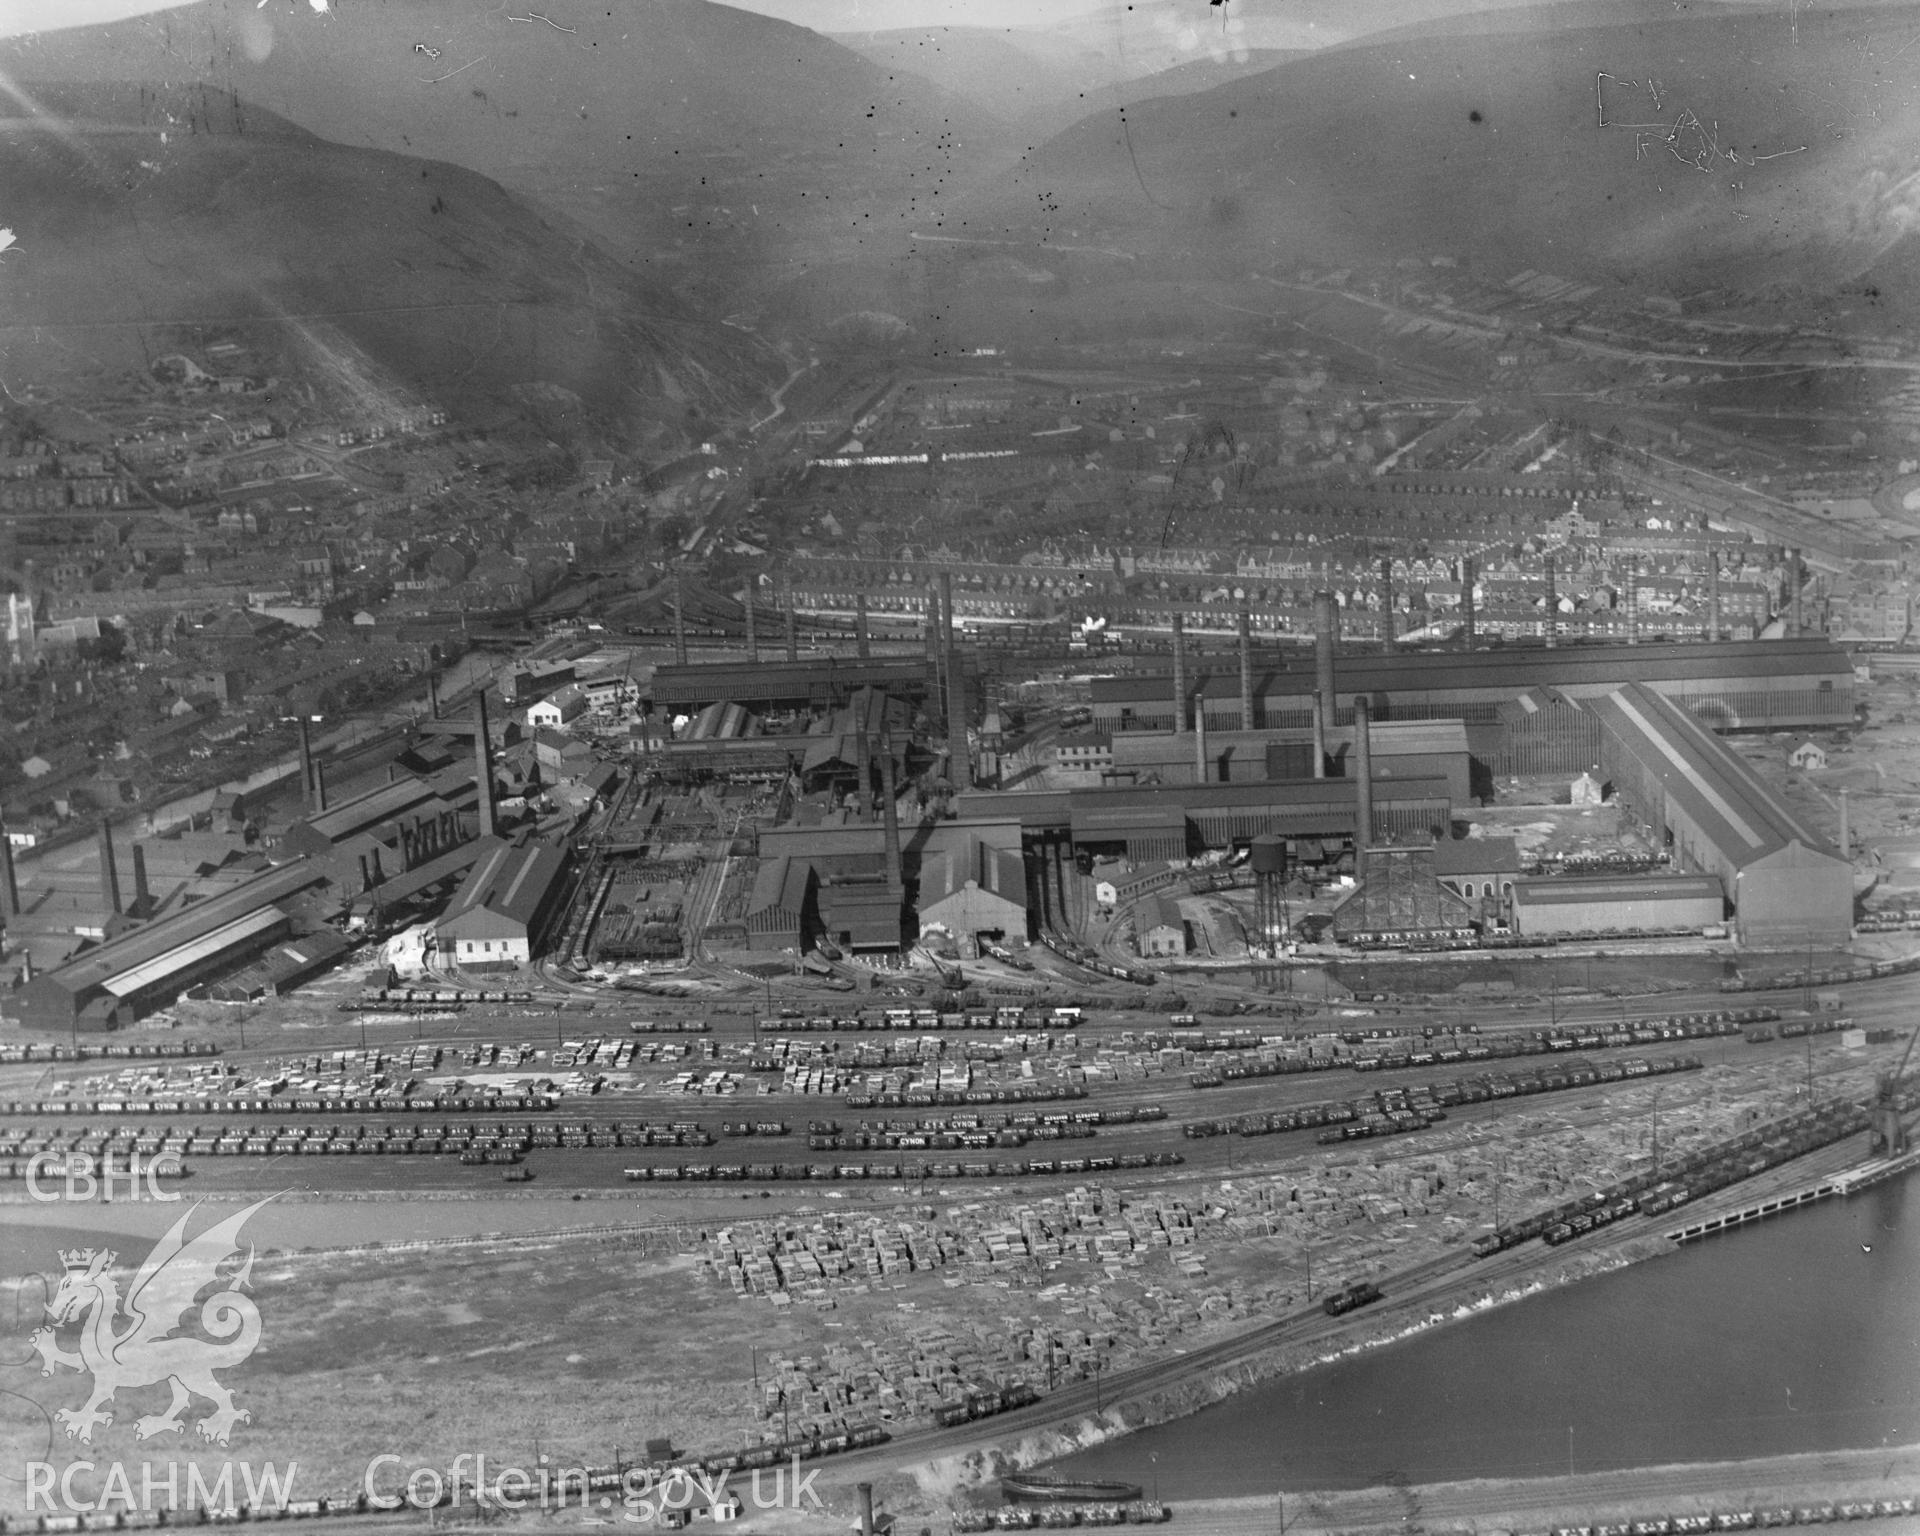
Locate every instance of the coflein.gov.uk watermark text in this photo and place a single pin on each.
(388, 1483)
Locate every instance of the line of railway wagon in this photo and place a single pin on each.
(1421, 1105)
(1773, 1517)
(1053, 1517)
(911, 1172)
(20, 1052)
(1493, 1047)
(1655, 1191)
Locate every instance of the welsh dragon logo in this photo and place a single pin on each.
(151, 1347)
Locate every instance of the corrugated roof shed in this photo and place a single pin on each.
(97, 966)
(137, 978)
(1509, 668)
(1718, 790)
(997, 870)
(1567, 890)
(510, 884)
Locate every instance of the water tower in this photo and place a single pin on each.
(1268, 860)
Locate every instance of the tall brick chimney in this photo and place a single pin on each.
(1179, 675)
(483, 763)
(109, 876)
(1246, 670)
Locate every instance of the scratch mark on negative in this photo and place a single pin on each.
(451, 73)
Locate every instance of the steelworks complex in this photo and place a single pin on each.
(1355, 761)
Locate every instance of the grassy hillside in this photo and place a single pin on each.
(1043, 82)
(137, 210)
(707, 144)
(1770, 153)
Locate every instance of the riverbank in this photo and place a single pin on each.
(1533, 1504)
(958, 1476)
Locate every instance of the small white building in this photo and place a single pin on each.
(557, 711)
(1587, 790)
(1808, 756)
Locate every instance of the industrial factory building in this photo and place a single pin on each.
(972, 889)
(1786, 884)
(1567, 908)
(814, 683)
(1400, 893)
(1736, 685)
(148, 966)
(503, 909)
(1403, 749)
(250, 934)
(1174, 821)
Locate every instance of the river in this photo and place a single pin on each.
(1798, 1334)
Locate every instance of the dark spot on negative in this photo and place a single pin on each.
(1474, 116)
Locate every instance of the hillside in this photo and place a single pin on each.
(1762, 153)
(705, 144)
(1044, 82)
(138, 211)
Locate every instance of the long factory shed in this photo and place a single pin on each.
(1786, 883)
(115, 982)
(1757, 684)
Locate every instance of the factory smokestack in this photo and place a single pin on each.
(1846, 840)
(866, 1509)
(1179, 675)
(753, 639)
(679, 621)
(860, 625)
(483, 763)
(1389, 642)
(306, 765)
(1469, 574)
(890, 810)
(1713, 594)
(793, 625)
(1319, 734)
(9, 886)
(142, 894)
(1246, 670)
(863, 756)
(1363, 767)
(1201, 773)
(319, 786)
(959, 754)
(1796, 579)
(1326, 639)
(433, 693)
(109, 876)
(1550, 621)
(1633, 600)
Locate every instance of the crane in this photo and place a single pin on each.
(1888, 1134)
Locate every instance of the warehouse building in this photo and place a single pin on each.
(1735, 685)
(1174, 821)
(1160, 928)
(1786, 884)
(150, 965)
(1483, 870)
(814, 683)
(505, 906)
(782, 912)
(973, 889)
(1558, 908)
(1403, 749)
(1400, 896)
